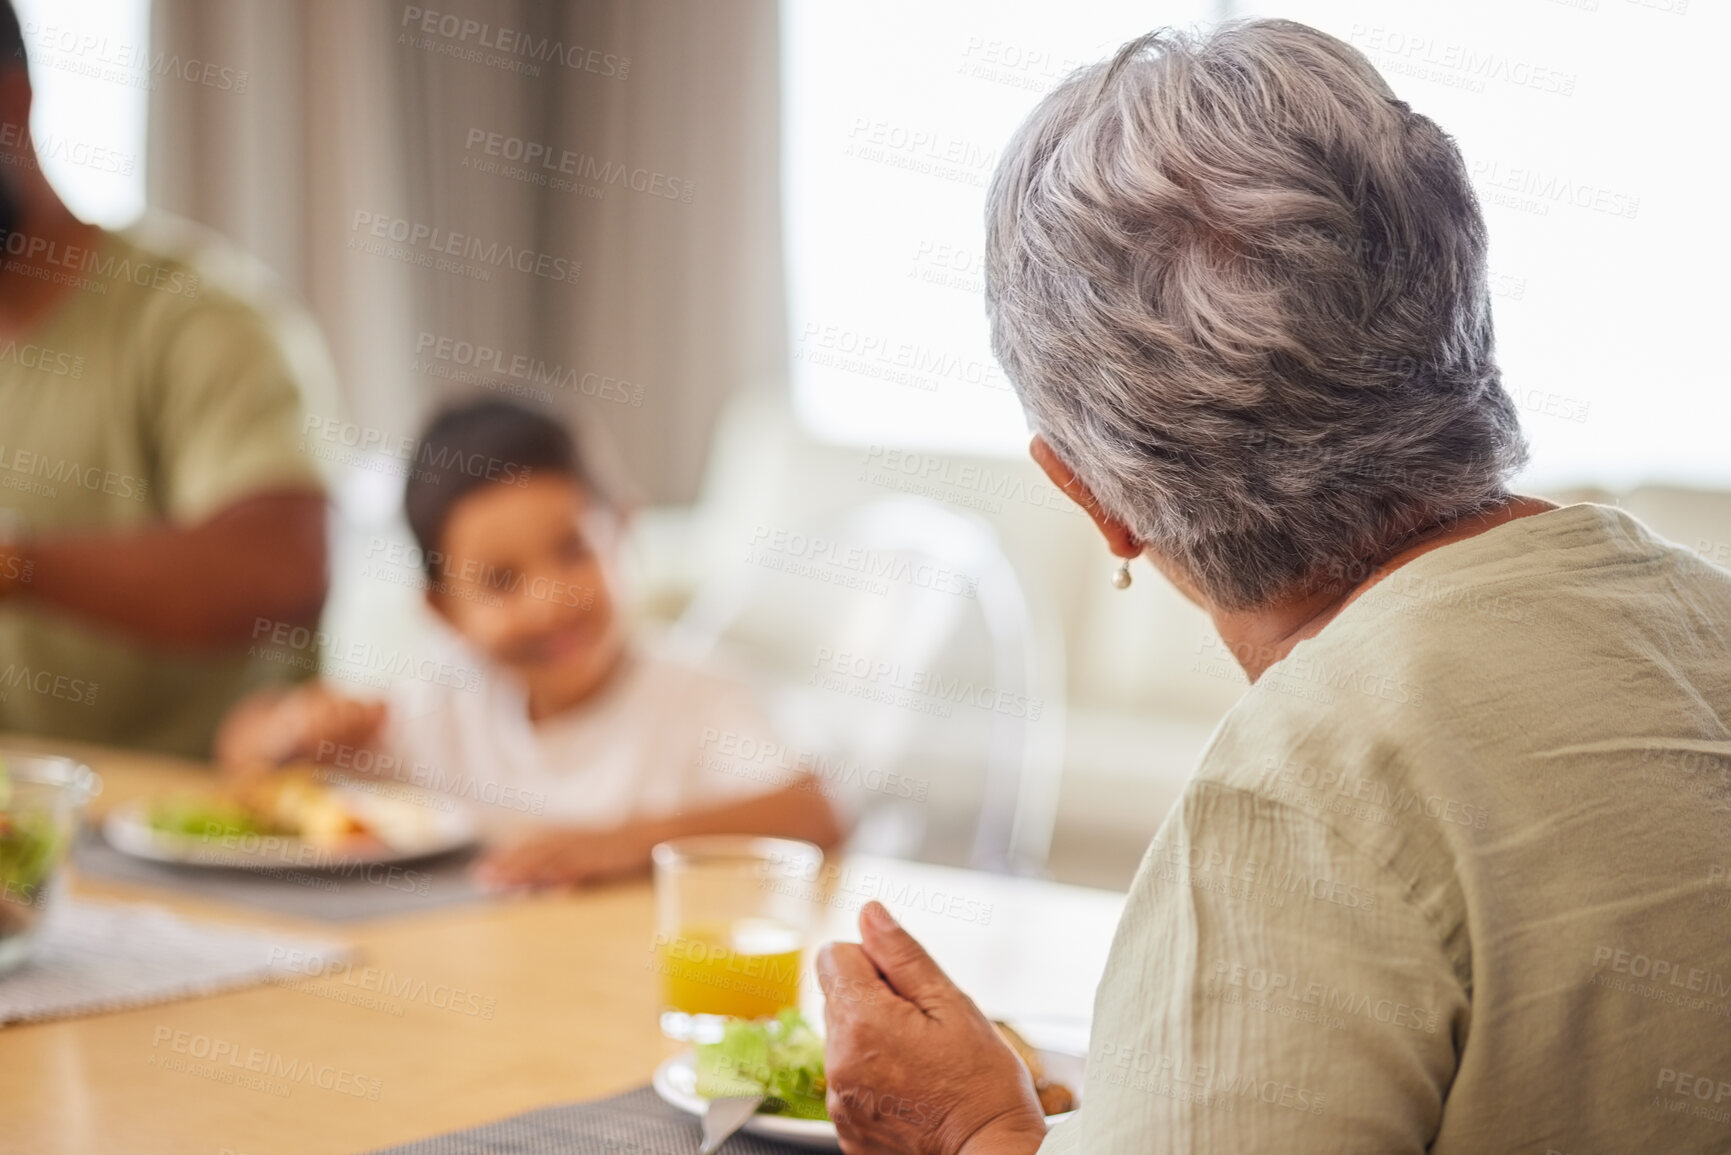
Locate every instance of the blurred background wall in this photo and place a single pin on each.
(623, 152)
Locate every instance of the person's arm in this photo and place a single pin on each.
(203, 586)
(1270, 988)
(238, 546)
(274, 726)
(567, 857)
(1310, 994)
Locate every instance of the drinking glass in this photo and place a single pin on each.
(732, 916)
(41, 796)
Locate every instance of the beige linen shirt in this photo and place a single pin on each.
(167, 384)
(1455, 876)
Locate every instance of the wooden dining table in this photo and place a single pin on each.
(453, 1017)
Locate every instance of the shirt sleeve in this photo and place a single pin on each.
(1270, 988)
(227, 412)
(1064, 1139)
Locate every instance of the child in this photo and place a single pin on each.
(602, 739)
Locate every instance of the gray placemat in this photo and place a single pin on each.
(337, 895)
(101, 956)
(635, 1123)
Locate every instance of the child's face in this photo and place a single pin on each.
(526, 578)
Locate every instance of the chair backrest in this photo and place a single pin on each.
(896, 633)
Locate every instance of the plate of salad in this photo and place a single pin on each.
(782, 1060)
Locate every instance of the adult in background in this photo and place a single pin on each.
(1452, 875)
(155, 503)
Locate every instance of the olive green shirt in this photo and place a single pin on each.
(166, 385)
(1454, 876)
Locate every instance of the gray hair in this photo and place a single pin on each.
(1241, 290)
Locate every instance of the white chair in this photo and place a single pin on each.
(923, 603)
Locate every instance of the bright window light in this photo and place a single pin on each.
(1581, 122)
(1578, 120)
(895, 113)
(89, 72)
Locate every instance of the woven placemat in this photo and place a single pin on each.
(100, 956)
(341, 895)
(635, 1123)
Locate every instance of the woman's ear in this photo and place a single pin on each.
(1118, 537)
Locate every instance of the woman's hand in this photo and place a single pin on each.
(912, 1064)
(566, 857)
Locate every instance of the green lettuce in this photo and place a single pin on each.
(29, 848)
(202, 818)
(779, 1058)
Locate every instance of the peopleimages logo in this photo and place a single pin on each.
(51, 260)
(1283, 987)
(432, 247)
(227, 1060)
(1534, 190)
(377, 764)
(59, 471)
(923, 691)
(963, 483)
(51, 147)
(460, 33)
(364, 440)
(380, 981)
(546, 164)
(485, 359)
(1693, 979)
(133, 65)
(356, 660)
(47, 684)
(871, 565)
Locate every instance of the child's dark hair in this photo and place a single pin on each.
(483, 443)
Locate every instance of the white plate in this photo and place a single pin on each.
(414, 823)
(676, 1082)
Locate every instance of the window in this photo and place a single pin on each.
(1576, 118)
(87, 69)
(1580, 122)
(895, 112)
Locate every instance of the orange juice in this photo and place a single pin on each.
(746, 969)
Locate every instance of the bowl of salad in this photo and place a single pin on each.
(41, 796)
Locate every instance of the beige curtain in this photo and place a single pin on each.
(507, 141)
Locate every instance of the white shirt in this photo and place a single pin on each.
(654, 741)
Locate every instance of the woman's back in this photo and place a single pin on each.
(1456, 874)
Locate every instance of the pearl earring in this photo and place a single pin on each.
(1121, 575)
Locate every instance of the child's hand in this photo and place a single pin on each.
(321, 720)
(565, 858)
(302, 723)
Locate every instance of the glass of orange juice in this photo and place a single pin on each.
(732, 915)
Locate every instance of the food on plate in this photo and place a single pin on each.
(29, 848)
(295, 801)
(782, 1059)
(203, 816)
(293, 804)
(1055, 1097)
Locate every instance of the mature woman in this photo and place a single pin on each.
(1452, 876)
